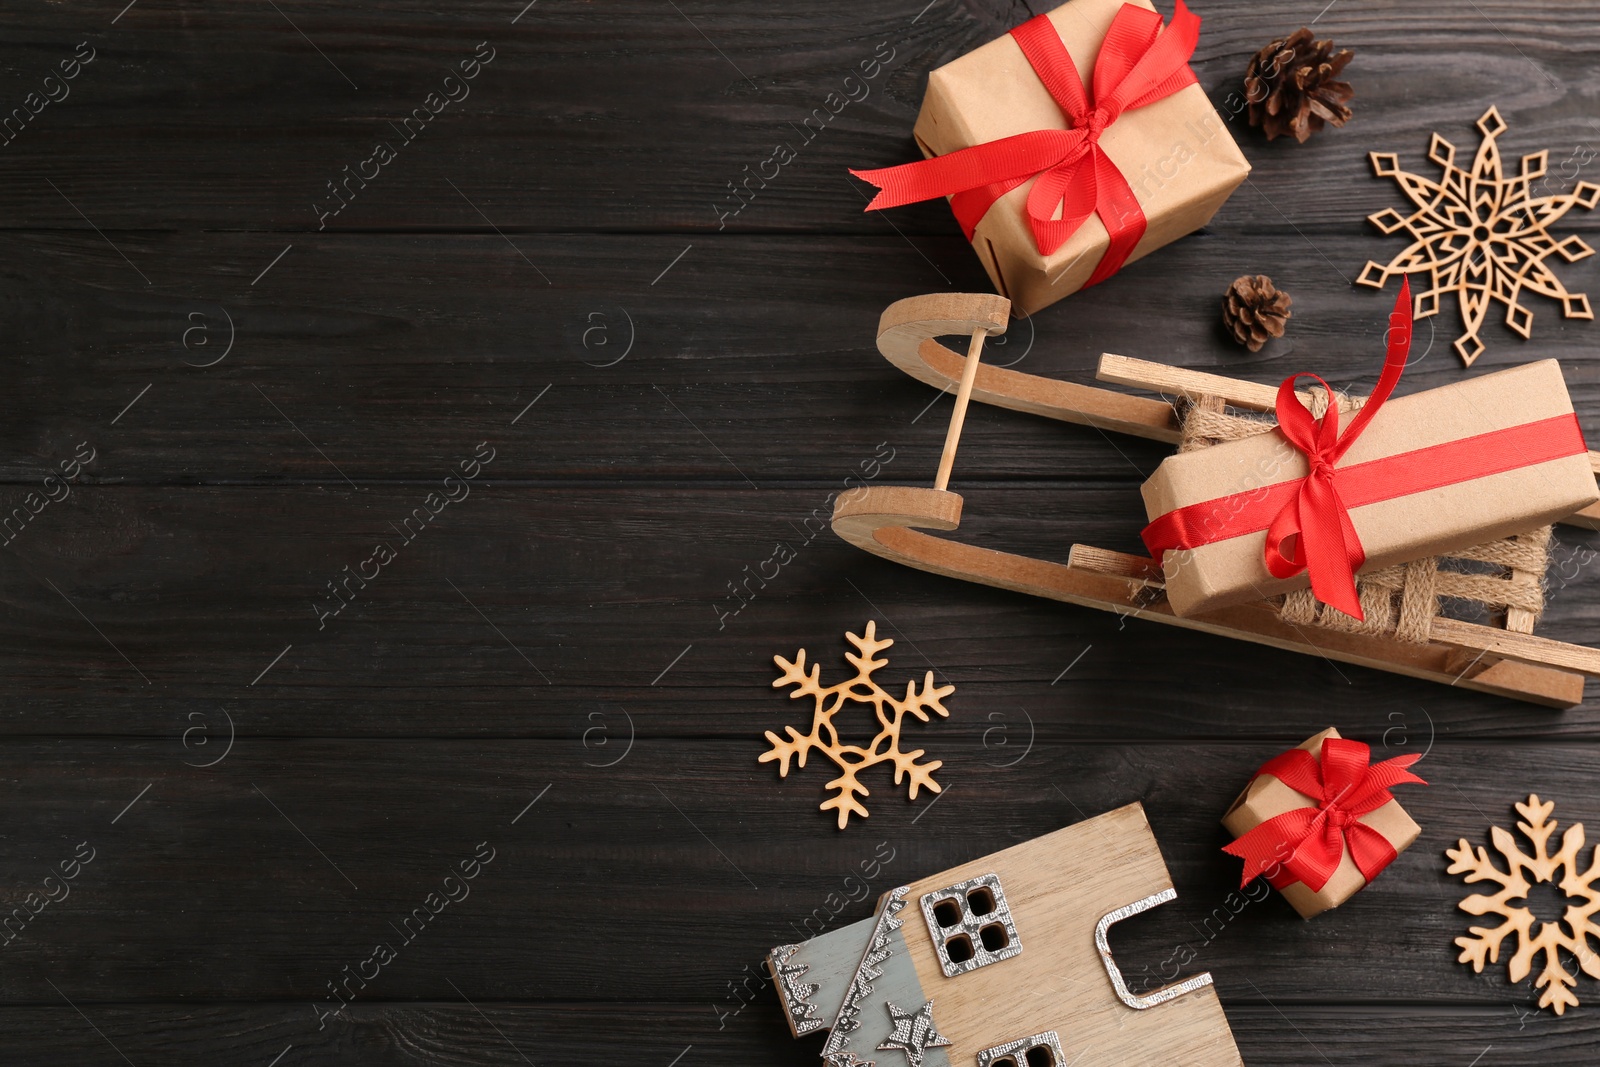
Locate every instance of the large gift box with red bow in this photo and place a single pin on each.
(1319, 823)
(1076, 143)
(1321, 498)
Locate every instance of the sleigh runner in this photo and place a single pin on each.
(1403, 631)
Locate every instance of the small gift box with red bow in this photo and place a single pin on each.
(1318, 499)
(1074, 144)
(1319, 821)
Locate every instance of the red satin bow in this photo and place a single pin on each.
(1307, 844)
(1313, 532)
(1307, 520)
(1138, 64)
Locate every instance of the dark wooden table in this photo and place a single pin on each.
(279, 343)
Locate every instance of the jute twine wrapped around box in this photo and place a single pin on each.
(1399, 601)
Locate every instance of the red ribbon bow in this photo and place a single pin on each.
(1309, 527)
(1313, 532)
(1138, 65)
(1314, 838)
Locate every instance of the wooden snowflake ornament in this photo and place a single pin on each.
(1481, 235)
(1571, 934)
(824, 735)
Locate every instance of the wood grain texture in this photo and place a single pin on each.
(430, 1032)
(283, 824)
(1057, 888)
(248, 123)
(599, 614)
(202, 587)
(432, 344)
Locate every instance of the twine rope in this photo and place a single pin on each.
(1400, 601)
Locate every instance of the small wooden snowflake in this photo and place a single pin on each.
(1482, 236)
(824, 736)
(1577, 924)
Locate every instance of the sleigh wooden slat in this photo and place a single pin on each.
(890, 521)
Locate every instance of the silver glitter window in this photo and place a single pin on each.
(1040, 1050)
(971, 925)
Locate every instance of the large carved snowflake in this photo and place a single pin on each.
(1482, 236)
(824, 736)
(1571, 934)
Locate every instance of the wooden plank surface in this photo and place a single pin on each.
(433, 344)
(571, 660)
(342, 837)
(496, 1031)
(567, 127)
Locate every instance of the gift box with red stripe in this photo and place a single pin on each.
(1318, 822)
(1076, 143)
(1317, 500)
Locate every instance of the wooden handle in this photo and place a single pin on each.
(958, 417)
(907, 333)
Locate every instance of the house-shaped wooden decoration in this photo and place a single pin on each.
(1004, 962)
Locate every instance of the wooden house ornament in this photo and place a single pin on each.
(1005, 962)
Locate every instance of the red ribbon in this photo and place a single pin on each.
(1308, 519)
(1138, 65)
(1308, 844)
(1314, 533)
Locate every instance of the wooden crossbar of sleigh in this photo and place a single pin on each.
(889, 521)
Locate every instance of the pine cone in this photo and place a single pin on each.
(1255, 311)
(1291, 86)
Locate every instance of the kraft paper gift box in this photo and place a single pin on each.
(1175, 153)
(1433, 522)
(1266, 797)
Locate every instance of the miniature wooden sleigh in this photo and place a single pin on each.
(1509, 660)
